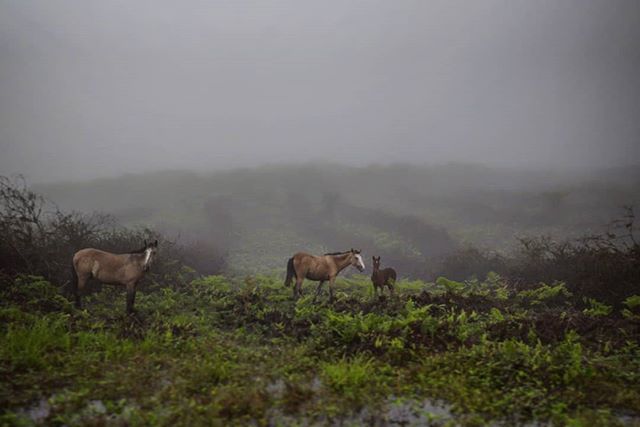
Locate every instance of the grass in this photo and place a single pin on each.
(221, 351)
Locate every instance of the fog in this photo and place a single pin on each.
(92, 89)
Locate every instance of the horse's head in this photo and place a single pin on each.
(150, 252)
(356, 259)
(376, 262)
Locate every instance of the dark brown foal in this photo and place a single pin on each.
(382, 278)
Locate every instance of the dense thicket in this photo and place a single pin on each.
(604, 266)
(40, 239)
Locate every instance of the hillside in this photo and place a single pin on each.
(404, 213)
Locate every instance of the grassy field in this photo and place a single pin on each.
(218, 351)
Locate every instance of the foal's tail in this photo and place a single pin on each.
(291, 272)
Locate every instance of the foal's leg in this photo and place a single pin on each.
(131, 296)
(318, 290)
(390, 284)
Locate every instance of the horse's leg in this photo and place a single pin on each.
(82, 281)
(332, 281)
(297, 289)
(318, 290)
(131, 296)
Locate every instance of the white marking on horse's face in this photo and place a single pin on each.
(360, 262)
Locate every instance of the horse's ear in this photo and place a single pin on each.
(155, 243)
(145, 244)
(352, 250)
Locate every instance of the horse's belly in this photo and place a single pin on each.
(105, 277)
(317, 275)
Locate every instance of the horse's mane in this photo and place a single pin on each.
(138, 251)
(337, 253)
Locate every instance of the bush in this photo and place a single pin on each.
(32, 294)
(353, 378)
(596, 308)
(555, 294)
(27, 345)
(469, 262)
(632, 307)
(39, 239)
(604, 267)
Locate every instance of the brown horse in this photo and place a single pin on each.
(320, 268)
(382, 278)
(114, 269)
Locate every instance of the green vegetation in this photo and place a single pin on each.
(219, 351)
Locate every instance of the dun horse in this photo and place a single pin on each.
(320, 268)
(382, 278)
(114, 269)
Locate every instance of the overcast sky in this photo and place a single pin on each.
(99, 88)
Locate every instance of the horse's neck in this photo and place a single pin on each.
(138, 259)
(342, 261)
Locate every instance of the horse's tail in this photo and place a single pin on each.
(291, 272)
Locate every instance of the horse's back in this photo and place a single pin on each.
(90, 259)
(303, 257)
(299, 255)
(312, 267)
(104, 266)
(88, 253)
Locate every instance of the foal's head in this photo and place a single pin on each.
(376, 263)
(150, 252)
(356, 259)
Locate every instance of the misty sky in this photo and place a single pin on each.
(100, 88)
